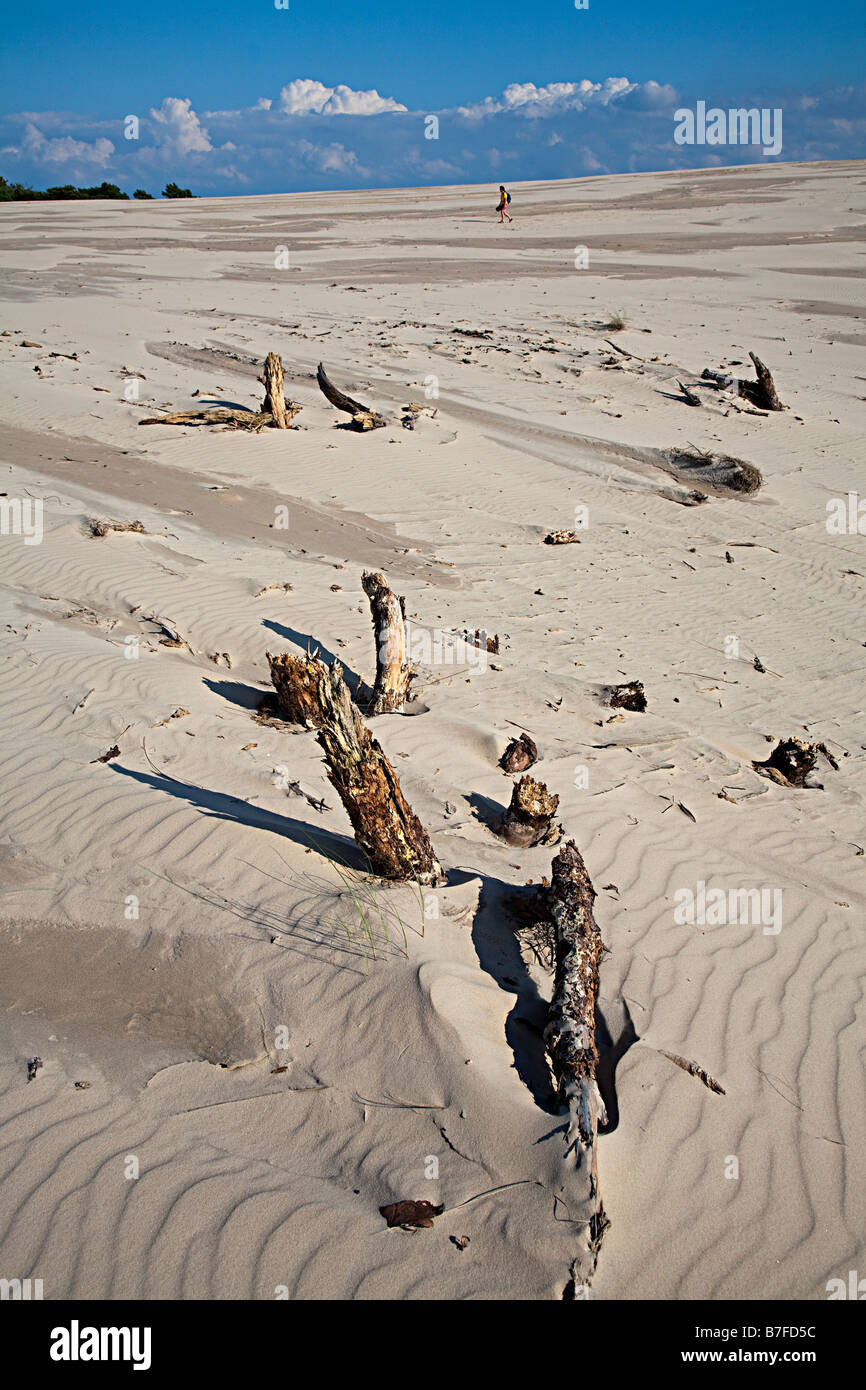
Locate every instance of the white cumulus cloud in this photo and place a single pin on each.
(305, 97)
(178, 126)
(530, 100)
(64, 149)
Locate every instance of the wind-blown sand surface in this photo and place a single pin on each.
(165, 914)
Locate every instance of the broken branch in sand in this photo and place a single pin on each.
(694, 1070)
(386, 828)
(761, 393)
(529, 819)
(270, 588)
(393, 671)
(363, 418)
(276, 412)
(172, 637)
(570, 1032)
(691, 396)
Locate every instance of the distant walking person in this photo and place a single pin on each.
(504, 200)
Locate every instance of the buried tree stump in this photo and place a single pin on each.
(630, 696)
(520, 755)
(529, 819)
(386, 828)
(296, 682)
(393, 672)
(570, 1032)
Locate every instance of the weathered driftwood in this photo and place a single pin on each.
(520, 755)
(386, 828)
(761, 393)
(529, 819)
(570, 1032)
(275, 413)
(220, 415)
(393, 672)
(363, 418)
(296, 682)
(99, 526)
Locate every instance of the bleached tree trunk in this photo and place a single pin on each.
(393, 672)
(275, 400)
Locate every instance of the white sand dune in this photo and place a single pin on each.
(176, 926)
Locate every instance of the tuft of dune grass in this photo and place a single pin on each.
(721, 469)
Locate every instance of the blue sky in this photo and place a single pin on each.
(70, 73)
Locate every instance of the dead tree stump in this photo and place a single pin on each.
(393, 671)
(570, 1032)
(275, 400)
(386, 828)
(296, 682)
(761, 393)
(529, 819)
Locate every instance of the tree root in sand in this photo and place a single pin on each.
(792, 760)
(630, 696)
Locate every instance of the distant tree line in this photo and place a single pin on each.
(18, 193)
